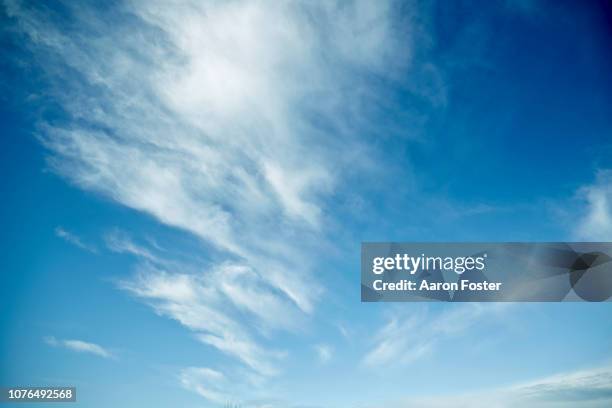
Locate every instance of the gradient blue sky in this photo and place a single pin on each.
(186, 186)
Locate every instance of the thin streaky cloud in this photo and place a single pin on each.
(414, 336)
(204, 304)
(208, 383)
(74, 240)
(80, 346)
(590, 388)
(210, 303)
(120, 242)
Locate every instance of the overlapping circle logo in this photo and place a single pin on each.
(591, 276)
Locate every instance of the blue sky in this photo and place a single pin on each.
(187, 185)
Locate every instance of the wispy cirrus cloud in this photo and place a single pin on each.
(237, 122)
(590, 388)
(223, 390)
(324, 352)
(595, 221)
(74, 239)
(211, 302)
(80, 347)
(209, 383)
(406, 338)
(222, 119)
(120, 242)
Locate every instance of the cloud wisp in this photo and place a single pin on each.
(324, 353)
(203, 306)
(74, 240)
(80, 347)
(591, 388)
(209, 383)
(595, 223)
(407, 338)
(212, 302)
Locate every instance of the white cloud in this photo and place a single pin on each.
(224, 390)
(79, 346)
(324, 352)
(209, 383)
(573, 388)
(211, 305)
(590, 388)
(234, 121)
(231, 120)
(595, 224)
(396, 338)
(74, 240)
(213, 302)
(409, 337)
(586, 389)
(344, 331)
(120, 242)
